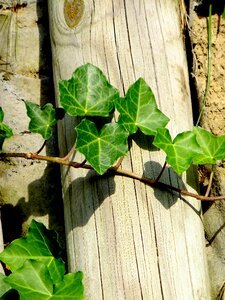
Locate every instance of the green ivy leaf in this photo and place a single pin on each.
(180, 151)
(223, 13)
(39, 245)
(212, 147)
(87, 93)
(36, 274)
(139, 110)
(32, 281)
(1, 115)
(71, 286)
(5, 130)
(101, 149)
(4, 287)
(42, 119)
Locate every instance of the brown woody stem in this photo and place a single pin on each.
(210, 183)
(113, 171)
(42, 147)
(160, 174)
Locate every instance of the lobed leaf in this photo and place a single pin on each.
(180, 151)
(139, 110)
(38, 245)
(212, 148)
(42, 119)
(33, 281)
(56, 268)
(87, 93)
(4, 287)
(5, 130)
(101, 149)
(36, 274)
(71, 286)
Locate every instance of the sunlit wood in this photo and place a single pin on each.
(131, 242)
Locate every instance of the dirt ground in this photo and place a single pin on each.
(213, 119)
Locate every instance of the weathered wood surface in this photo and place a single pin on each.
(131, 242)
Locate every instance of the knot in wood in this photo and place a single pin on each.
(73, 12)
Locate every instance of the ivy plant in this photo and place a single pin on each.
(89, 96)
(5, 130)
(42, 119)
(138, 110)
(38, 272)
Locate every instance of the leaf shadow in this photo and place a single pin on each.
(144, 141)
(202, 9)
(214, 217)
(169, 198)
(85, 195)
(44, 200)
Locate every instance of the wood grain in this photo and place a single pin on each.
(73, 12)
(131, 242)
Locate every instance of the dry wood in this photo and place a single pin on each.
(131, 242)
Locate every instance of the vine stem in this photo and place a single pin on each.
(42, 147)
(161, 172)
(210, 181)
(112, 171)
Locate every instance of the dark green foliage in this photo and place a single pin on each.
(36, 273)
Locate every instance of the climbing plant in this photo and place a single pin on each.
(103, 139)
(37, 269)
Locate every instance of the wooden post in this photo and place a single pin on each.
(131, 241)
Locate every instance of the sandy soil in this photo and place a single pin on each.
(214, 120)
